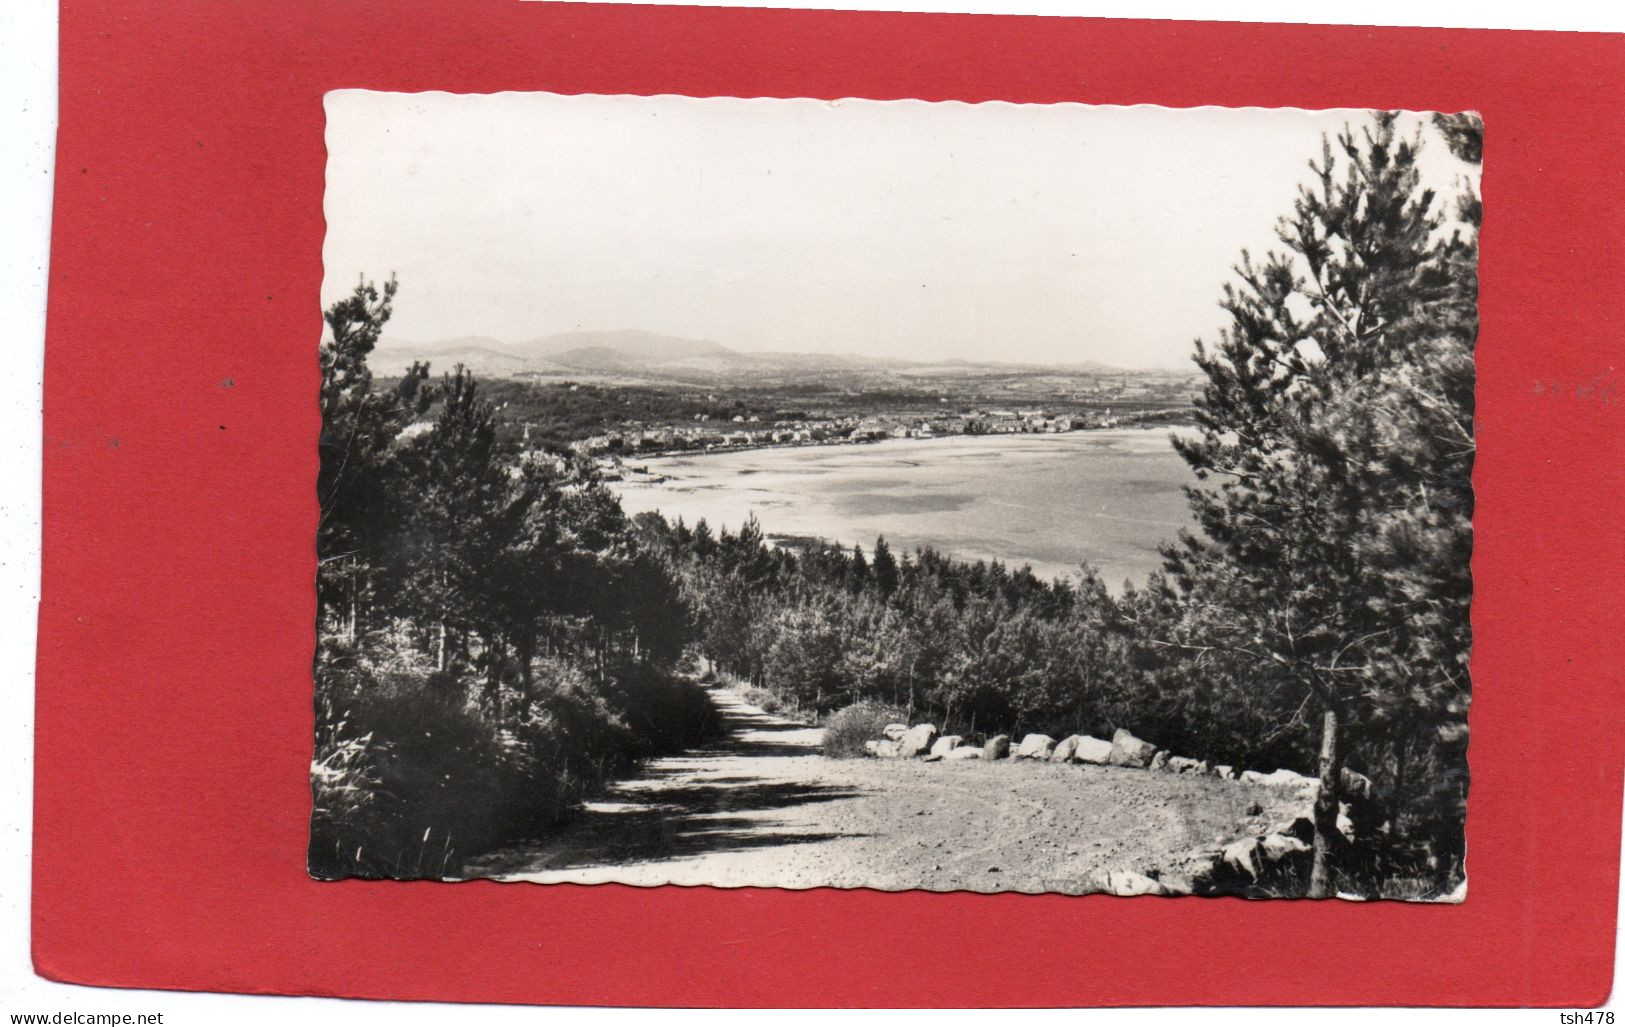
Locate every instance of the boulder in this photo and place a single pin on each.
(1128, 751)
(1092, 750)
(997, 748)
(1225, 771)
(1276, 847)
(964, 752)
(945, 744)
(895, 732)
(1035, 747)
(1181, 764)
(1301, 828)
(1203, 767)
(1282, 779)
(1160, 760)
(871, 746)
(1205, 869)
(1243, 858)
(888, 750)
(1356, 786)
(918, 740)
(1064, 749)
(1127, 882)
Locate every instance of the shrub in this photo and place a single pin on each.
(778, 705)
(410, 779)
(768, 701)
(406, 783)
(847, 729)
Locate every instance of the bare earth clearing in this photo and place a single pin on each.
(763, 808)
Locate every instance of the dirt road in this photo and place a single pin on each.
(763, 808)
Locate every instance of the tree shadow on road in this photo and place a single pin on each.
(651, 820)
(675, 810)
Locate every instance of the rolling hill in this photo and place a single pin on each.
(639, 356)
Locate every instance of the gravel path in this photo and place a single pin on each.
(762, 808)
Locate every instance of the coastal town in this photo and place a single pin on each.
(609, 449)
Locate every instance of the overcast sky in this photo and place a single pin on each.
(902, 229)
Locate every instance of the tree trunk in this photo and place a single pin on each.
(1396, 800)
(526, 650)
(493, 677)
(440, 645)
(350, 627)
(1326, 802)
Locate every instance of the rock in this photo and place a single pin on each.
(1282, 779)
(895, 732)
(1181, 764)
(888, 750)
(945, 744)
(997, 748)
(1128, 751)
(1225, 772)
(1160, 760)
(932, 757)
(1205, 870)
(1345, 823)
(1276, 847)
(1127, 882)
(1203, 767)
(1092, 750)
(1064, 749)
(1356, 785)
(1301, 828)
(964, 752)
(1243, 857)
(1035, 747)
(918, 740)
(871, 746)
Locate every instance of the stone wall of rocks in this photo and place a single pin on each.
(1278, 858)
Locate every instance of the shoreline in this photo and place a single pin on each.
(603, 463)
(1050, 501)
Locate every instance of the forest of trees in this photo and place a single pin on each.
(494, 642)
(1316, 619)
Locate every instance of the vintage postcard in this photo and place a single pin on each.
(896, 495)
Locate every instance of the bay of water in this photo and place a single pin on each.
(1052, 501)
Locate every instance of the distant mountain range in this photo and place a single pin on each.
(639, 355)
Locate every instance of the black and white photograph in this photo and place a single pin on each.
(991, 497)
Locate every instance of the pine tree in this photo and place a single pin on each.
(357, 485)
(449, 541)
(857, 571)
(1284, 572)
(884, 568)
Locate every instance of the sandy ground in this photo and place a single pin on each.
(1105, 496)
(762, 808)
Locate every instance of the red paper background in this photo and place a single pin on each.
(174, 715)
